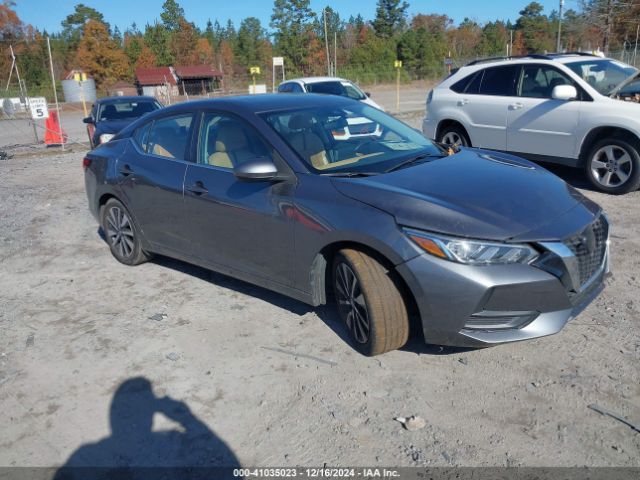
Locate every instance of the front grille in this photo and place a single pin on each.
(589, 247)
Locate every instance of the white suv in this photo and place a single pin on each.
(573, 109)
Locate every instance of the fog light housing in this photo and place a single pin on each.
(499, 320)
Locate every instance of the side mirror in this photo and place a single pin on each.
(256, 169)
(564, 92)
(88, 120)
(368, 94)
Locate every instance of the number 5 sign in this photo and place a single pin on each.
(38, 107)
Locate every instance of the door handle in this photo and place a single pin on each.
(125, 170)
(516, 106)
(463, 102)
(197, 188)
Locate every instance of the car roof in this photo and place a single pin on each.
(316, 80)
(565, 57)
(129, 98)
(261, 103)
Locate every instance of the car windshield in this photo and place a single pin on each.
(126, 109)
(351, 139)
(342, 88)
(602, 74)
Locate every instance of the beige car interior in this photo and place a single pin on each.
(231, 145)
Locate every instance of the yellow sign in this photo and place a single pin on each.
(397, 64)
(254, 70)
(80, 77)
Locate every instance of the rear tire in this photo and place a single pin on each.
(122, 234)
(370, 303)
(613, 166)
(454, 135)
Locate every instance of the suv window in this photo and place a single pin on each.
(295, 88)
(169, 136)
(499, 81)
(538, 81)
(461, 85)
(285, 88)
(226, 141)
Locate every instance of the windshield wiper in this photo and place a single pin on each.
(624, 83)
(415, 160)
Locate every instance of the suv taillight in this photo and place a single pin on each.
(86, 162)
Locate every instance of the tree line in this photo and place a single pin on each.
(309, 41)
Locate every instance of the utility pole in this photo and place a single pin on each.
(335, 53)
(559, 44)
(326, 40)
(510, 44)
(635, 50)
(55, 93)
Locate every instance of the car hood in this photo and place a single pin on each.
(113, 126)
(477, 193)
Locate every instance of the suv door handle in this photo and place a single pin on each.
(126, 170)
(516, 106)
(462, 102)
(197, 188)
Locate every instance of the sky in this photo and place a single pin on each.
(47, 14)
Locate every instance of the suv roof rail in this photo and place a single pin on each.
(582, 54)
(512, 57)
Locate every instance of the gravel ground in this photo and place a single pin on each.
(268, 381)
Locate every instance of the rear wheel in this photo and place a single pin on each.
(370, 303)
(613, 166)
(454, 135)
(122, 235)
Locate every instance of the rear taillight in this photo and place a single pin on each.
(86, 162)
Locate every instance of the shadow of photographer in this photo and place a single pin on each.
(135, 451)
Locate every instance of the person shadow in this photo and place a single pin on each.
(134, 451)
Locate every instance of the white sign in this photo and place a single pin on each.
(38, 107)
(260, 88)
(278, 61)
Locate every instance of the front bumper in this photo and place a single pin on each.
(429, 126)
(478, 306)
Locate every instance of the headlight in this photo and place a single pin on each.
(472, 252)
(105, 137)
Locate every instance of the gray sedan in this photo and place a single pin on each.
(481, 247)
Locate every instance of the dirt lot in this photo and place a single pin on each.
(269, 381)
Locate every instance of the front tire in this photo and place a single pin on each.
(613, 166)
(370, 303)
(122, 234)
(454, 135)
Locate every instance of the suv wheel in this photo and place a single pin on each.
(122, 235)
(454, 135)
(370, 303)
(613, 166)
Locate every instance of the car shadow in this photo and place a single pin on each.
(573, 176)
(134, 450)
(327, 313)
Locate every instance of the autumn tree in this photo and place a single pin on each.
(204, 52)
(73, 26)
(100, 56)
(183, 42)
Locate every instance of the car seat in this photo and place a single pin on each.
(307, 143)
(231, 146)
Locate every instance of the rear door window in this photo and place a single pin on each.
(500, 81)
(169, 136)
(141, 136)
